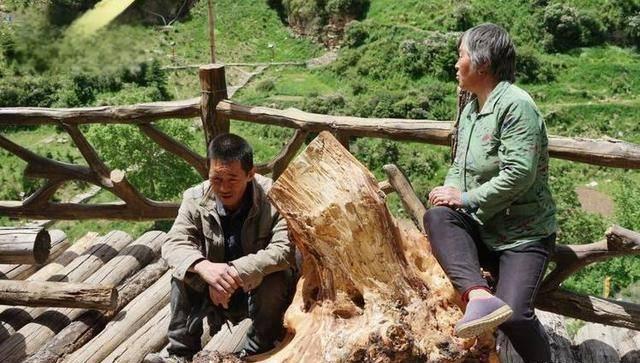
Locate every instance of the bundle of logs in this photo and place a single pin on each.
(370, 290)
(23, 250)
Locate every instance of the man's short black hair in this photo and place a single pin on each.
(230, 147)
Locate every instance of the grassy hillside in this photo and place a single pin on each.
(396, 61)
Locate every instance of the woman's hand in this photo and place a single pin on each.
(446, 196)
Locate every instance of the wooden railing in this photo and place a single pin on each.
(215, 111)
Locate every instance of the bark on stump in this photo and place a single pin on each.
(370, 291)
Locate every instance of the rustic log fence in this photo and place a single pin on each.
(215, 111)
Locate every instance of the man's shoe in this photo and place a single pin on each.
(164, 357)
(483, 314)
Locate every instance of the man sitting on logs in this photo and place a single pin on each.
(231, 256)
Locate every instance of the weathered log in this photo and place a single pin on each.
(571, 258)
(132, 114)
(13, 318)
(151, 337)
(408, 197)
(613, 153)
(99, 261)
(130, 319)
(57, 294)
(72, 211)
(78, 248)
(590, 308)
(24, 245)
(90, 323)
(435, 132)
(229, 339)
(596, 351)
(370, 289)
(59, 243)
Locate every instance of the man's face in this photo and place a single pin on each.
(229, 182)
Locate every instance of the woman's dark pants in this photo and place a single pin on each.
(456, 244)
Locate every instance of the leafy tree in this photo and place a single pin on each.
(157, 173)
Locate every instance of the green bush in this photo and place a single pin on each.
(355, 34)
(568, 28)
(265, 85)
(530, 68)
(34, 91)
(633, 29)
(330, 104)
(435, 55)
(310, 16)
(353, 9)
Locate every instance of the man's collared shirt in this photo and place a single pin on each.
(232, 222)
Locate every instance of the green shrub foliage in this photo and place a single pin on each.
(568, 28)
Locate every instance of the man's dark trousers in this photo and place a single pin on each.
(265, 306)
(456, 244)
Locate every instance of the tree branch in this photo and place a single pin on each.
(571, 258)
(591, 308)
(410, 200)
(41, 167)
(132, 114)
(280, 162)
(41, 196)
(89, 154)
(173, 146)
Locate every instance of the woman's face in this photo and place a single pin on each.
(468, 77)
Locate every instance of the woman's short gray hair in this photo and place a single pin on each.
(488, 44)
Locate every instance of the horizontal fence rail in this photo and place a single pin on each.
(604, 152)
(133, 114)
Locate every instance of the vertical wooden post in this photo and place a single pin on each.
(212, 34)
(214, 90)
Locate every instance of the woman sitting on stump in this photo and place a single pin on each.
(495, 209)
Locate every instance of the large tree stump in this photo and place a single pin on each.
(370, 291)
